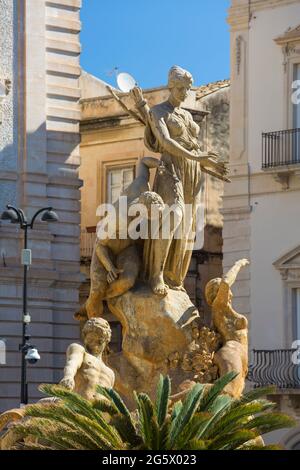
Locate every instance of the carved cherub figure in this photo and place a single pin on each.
(85, 369)
(233, 328)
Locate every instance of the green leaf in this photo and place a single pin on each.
(232, 441)
(196, 444)
(146, 413)
(209, 397)
(176, 409)
(190, 431)
(257, 393)
(186, 412)
(270, 422)
(126, 430)
(162, 398)
(231, 419)
(115, 398)
(164, 435)
(261, 447)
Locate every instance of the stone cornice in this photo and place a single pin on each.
(291, 35)
(124, 120)
(240, 15)
(107, 123)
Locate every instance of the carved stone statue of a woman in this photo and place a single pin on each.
(171, 131)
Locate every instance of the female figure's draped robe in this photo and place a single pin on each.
(179, 184)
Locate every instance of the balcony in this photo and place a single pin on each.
(87, 241)
(274, 367)
(281, 154)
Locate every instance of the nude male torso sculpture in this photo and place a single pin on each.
(85, 369)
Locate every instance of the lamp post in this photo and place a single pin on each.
(28, 351)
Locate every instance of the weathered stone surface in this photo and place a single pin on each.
(154, 330)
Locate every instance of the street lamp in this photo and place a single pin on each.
(29, 352)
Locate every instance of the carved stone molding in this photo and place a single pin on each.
(289, 265)
(283, 179)
(238, 53)
(282, 175)
(290, 43)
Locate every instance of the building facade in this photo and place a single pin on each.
(261, 206)
(39, 159)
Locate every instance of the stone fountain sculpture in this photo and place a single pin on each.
(142, 279)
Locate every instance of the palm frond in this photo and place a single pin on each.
(232, 441)
(231, 420)
(126, 430)
(196, 444)
(209, 397)
(207, 419)
(96, 429)
(260, 447)
(270, 422)
(257, 393)
(162, 398)
(148, 425)
(187, 411)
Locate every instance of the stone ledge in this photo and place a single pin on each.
(62, 3)
(63, 91)
(236, 211)
(238, 17)
(67, 113)
(65, 46)
(63, 68)
(63, 181)
(63, 23)
(56, 125)
(8, 175)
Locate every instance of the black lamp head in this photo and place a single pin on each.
(49, 216)
(10, 215)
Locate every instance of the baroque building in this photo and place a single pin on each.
(39, 159)
(261, 206)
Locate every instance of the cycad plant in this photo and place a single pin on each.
(207, 419)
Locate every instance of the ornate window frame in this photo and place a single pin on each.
(104, 167)
(289, 267)
(290, 44)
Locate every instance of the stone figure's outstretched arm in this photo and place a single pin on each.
(228, 280)
(159, 128)
(75, 353)
(230, 277)
(209, 161)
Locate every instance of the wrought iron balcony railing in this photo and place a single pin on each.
(87, 241)
(281, 148)
(274, 367)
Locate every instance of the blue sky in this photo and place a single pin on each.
(147, 37)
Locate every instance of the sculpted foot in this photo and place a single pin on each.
(158, 286)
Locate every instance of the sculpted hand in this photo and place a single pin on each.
(244, 262)
(211, 153)
(68, 383)
(137, 95)
(218, 165)
(113, 274)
